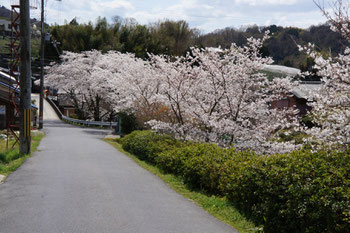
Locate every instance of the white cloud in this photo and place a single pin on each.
(299, 19)
(115, 4)
(266, 2)
(206, 15)
(188, 10)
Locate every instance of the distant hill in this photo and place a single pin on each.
(4, 12)
(283, 43)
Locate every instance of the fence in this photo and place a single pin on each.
(90, 123)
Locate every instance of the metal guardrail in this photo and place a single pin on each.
(90, 123)
(54, 106)
(81, 122)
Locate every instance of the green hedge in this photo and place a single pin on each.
(146, 145)
(297, 192)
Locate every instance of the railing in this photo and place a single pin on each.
(311, 82)
(54, 106)
(90, 123)
(82, 122)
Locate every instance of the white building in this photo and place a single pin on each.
(5, 24)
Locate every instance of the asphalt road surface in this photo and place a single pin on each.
(76, 183)
(49, 113)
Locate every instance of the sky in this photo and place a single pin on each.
(205, 15)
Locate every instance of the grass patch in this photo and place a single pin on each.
(10, 160)
(34, 45)
(4, 46)
(219, 207)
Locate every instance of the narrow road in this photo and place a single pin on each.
(49, 113)
(76, 183)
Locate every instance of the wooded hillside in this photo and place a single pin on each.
(176, 37)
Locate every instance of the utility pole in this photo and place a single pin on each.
(25, 79)
(42, 60)
(42, 54)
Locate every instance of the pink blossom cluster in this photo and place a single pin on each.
(213, 95)
(331, 102)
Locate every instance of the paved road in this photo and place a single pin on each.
(77, 183)
(49, 112)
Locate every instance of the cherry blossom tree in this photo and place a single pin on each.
(100, 83)
(220, 96)
(73, 77)
(331, 102)
(337, 16)
(209, 95)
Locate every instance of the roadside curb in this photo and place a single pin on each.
(111, 137)
(2, 178)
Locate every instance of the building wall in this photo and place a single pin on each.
(68, 112)
(6, 24)
(292, 102)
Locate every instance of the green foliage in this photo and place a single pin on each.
(146, 144)
(128, 122)
(125, 35)
(297, 192)
(297, 137)
(10, 160)
(283, 44)
(34, 46)
(175, 37)
(8, 156)
(218, 206)
(198, 164)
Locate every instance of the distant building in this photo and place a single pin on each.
(65, 104)
(300, 97)
(7, 110)
(5, 25)
(277, 69)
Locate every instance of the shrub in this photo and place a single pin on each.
(172, 161)
(128, 122)
(146, 144)
(198, 164)
(203, 167)
(299, 192)
(2, 157)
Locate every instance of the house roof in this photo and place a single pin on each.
(4, 77)
(304, 90)
(282, 69)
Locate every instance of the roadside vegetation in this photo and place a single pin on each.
(302, 191)
(217, 205)
(11, 159)
(218, 122)
(5, 46)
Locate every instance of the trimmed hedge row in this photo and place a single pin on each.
(297, 192)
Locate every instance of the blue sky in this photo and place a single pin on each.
(205, 15)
